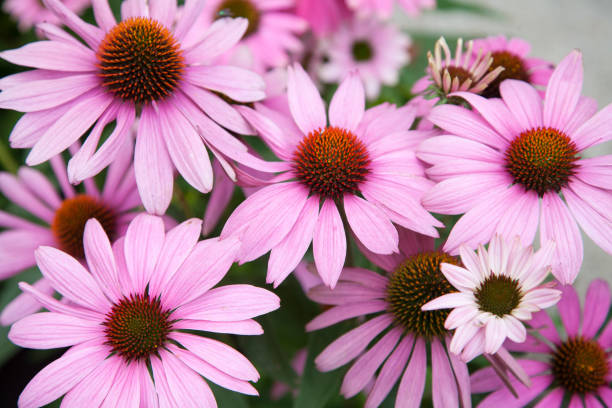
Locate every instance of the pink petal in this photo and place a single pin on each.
(462, 377)
(31, 126)
(237, 83)
(594, 131)
(218, 200)
(70, 278)
(569, 309)
(444, 388)
(103, 15)
(285, 256)
(449, 301)
(246, 327)
(92, 390)
(348, 103)
(515, 329)
(329, 244)
(53, 55)
(410, 391)
(53, 330)
(344, 293)
(503, 397)
(558, 225)
(125, 388)
(270, 131)
(494, 112)
(222, 35)
(596, 171)
(100, 259)
(371, 226)
(351, 344)
(563, 91)
(585, 109)
(143, 243)
(63, 374)
(25, 304)
(343, 312)
(590, 206)
(461, 278)
(305, 102)
(441, 148)
(163, 11)
(91, 34)
(521, 218)
(188, 17)
(524, 102)
(553, 399)
(596, 307)
(495, 334)
(17, 191)
(45, 300)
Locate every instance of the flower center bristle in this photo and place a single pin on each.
(362, 50)
(580, 365)
(70, 218)
(331, 162)
(542, 160)
(137, 326)
(140, 61)
(498, 295)
(513, 69)
(240, 8)
(415, 282)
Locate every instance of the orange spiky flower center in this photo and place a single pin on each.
(240, 8)
(514, 68)
(331, 162)
(542, 159)
(137, 326)
(70, 218)
(140, 61)
(580, 365)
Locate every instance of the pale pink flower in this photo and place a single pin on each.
(376, 50)
(512, 56)
(323, 16)
(505, 162)
(78, 85)
(573, 364)
(498, 290)
(272, 32)
(384, 8)
(31, 12)
(359, 153)
(61, 217)
(463, 72)
(128, 312)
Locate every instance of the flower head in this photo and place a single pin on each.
(128, 312)
(508, 162)
(497, 289)
(150, 65)
(359, 154)
(570, 364)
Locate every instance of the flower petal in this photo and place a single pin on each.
(53, 330)
(305, 102)
(329, 244)
(563, 91)
(348, 103)
(371, 226)
(144, 240)
(596, 307)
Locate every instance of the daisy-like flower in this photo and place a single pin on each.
(147, 66)
(573, 364)
(512, 56)
(62, 218)
(323, 16)
(407, 336)
(505, 163)
(497, 290)
(359, 154)
(271, 35)
(375, 49)
(31, 12)
(384, 8)
(128, 315)
(464, 72)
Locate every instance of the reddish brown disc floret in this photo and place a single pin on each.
(580, 365)
(331, 162)
(240, 8)
(514, 68)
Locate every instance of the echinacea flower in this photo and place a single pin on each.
(375, 50)
(464, 72)
(145, 66)
(31, 12)
(384, 8)
(271, 35)
(62, 218)
(573, 364)
(127, 317)
(506, 162)
(407, 337)
(359, 154)
(497, 291)
(512, 56)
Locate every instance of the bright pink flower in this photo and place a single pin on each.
(128, 311)
(323, 16)
(359, 153)
(574, 365)
(384, 8)
(31, 12)
(504, 164)
(512, 55)
(63, 216)
(498, 289)
(375, 50)
(271, 35)
(78, 85)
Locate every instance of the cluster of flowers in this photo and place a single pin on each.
(492, 141)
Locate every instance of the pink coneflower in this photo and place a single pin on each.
(512, 56)
(464, 72)
(128, 313)
(323, 16)
(271, 35)
(376, 50)
(31, 12)
(384, 8)
(62, 218)
(405, 332)
(359, 154)
(143, 66)
(499, 163)
(575, 366)
(497, 290)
